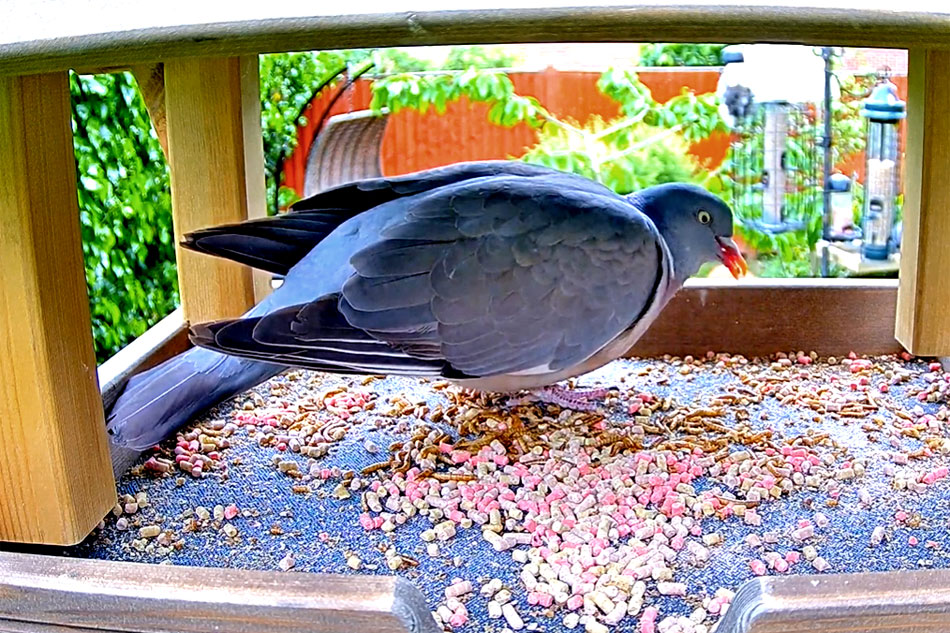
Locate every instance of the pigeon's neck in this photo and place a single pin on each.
(682, 265)
(672, 282)
(683, 260)
(686, 262)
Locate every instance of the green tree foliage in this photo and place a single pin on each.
(394, 60)
(626, 160)
(125, 210)
(692, 116)
(288, 82)
(465, 57)
(645, 146)
(420, 92)
(681, 54)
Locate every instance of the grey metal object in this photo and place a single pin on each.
(884, 111)
(347, 149)
(59, 34)
(45, 594)
(906, 601)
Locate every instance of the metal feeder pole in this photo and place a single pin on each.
(826, 54)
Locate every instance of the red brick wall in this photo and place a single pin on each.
(865, 60)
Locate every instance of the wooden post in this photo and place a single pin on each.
(151, 81)
(214, 140)
(254, 158)
(924, 295)
(55, 475)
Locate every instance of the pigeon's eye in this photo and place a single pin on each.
(704, 217)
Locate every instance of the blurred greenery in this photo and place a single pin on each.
(464, 57)
(125, 210)
(681, 54)
(647, 145)
(624, 161)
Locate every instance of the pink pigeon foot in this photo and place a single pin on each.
(577, 399)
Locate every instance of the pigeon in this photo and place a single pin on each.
(500, 276)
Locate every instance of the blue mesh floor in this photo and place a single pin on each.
(321, 531)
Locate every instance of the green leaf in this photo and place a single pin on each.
(124, 203)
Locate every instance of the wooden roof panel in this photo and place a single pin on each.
(38, 35)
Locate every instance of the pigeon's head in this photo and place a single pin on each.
(696, 225)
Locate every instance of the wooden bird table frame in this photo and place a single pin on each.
(197, 65)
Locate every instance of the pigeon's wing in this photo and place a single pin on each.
(276, 243)
(315, 336)
(491, 276)
(508, 276)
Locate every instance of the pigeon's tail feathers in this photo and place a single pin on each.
(325, 342)
(156, 403)
(272, 244)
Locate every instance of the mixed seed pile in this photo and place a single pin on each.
(605, 514)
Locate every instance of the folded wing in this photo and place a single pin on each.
(485, 276)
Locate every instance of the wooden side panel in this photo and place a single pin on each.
(151, 81)
(254, 158)
(55, 476)
(206, 108)
(762, 316)
(924, 295)
(43, 36)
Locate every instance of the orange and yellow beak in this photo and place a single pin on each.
(731, 257)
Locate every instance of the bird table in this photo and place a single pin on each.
(197, 65)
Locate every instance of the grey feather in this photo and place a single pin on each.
(387, 293)
(409, 257)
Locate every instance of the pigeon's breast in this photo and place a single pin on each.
(620, 345)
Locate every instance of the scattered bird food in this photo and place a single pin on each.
(605, 516)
